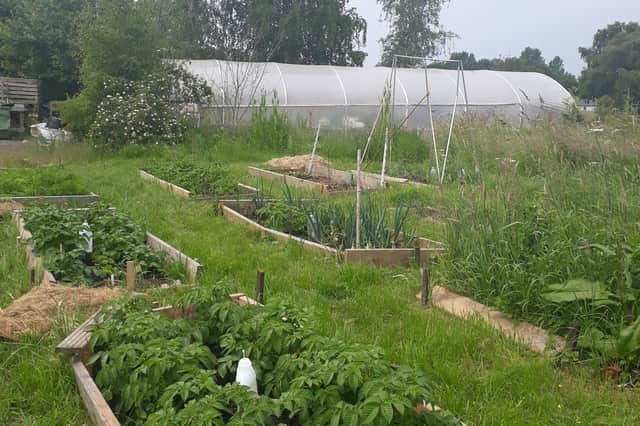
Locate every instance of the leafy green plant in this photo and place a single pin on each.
(270, 128)
(116, 240)
(211, 180)
(39, 181)
(160, 371)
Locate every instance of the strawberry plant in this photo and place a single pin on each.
(116, 240)
(158, 371)
(211, 180)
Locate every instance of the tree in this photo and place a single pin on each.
(118, 40)
(530, 60)
(291, 31)
(309, 32)
(38, 39)
(613, 64)
(187, 25)
(415, 30)
(556, 71)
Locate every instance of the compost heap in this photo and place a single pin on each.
(297, 163)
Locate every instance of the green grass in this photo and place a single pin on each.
(477, 374)
(13, 264)
(37, 385)
(39, 181)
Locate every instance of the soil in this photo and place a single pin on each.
(36, 311)
(331, 186)
(297, 163)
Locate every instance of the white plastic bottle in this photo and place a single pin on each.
(246, 375)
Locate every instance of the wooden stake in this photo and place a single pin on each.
(131, 275)
(425, 286)
(384, 156)
(260, 286)
(32, 276)
(416, 255)
(358, 191)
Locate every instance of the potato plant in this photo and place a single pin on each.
(116, 240)
(159, 371)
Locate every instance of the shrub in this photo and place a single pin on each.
(135, 114)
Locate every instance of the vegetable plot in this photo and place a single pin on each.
(39, 181)
(159, 371)
(91, 246)
(212, 180)
(334, 224)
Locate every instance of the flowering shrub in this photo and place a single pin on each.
(146, 112)
(135, 114)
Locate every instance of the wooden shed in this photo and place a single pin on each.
(18, 97)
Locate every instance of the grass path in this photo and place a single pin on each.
(478, 375)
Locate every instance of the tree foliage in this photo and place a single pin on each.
(613, 64)
(415, 30)
(38, 40)
(118, 41)
(530, 60)
(309, 32)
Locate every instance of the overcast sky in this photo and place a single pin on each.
(492, 28)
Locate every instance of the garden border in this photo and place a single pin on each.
(378, 257)
(75, 345)
(184, 193)
(529, 335)
(53, 199)
(179, 191)
(192, 265)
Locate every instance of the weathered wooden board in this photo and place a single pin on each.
(75, 344)
(33, 260)
(97, 407)
(535, 338)
(192, 265)
(389, 257)
(289, 180)
(233, 216)
(77, 200)
(376, 177)
(180, 192)
(19, 91)
(247, 189)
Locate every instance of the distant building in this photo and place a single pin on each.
(18, 97)
(587, 105)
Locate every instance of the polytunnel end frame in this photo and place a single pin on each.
(394, 77)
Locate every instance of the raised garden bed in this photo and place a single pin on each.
(52, 185)
(191, 181)
(321, 178)
(57, 250)
(403, 253)
(176, 365)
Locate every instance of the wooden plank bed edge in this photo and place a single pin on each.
(192, 265)
(179, 191)
(97, 407)
(289, 180)
(83, 199)
(233, 216)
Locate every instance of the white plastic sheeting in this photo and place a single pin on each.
(350, 97)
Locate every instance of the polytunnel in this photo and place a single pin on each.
(339, 97)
